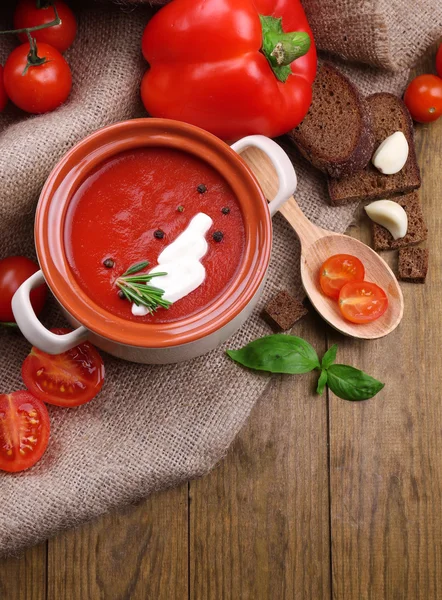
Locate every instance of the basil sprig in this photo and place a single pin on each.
(280, 353)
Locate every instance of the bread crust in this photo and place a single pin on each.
(311, 135)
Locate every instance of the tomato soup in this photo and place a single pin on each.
(131, 207)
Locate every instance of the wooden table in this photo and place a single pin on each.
(318, 498)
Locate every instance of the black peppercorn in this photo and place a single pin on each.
(225, 210)
(180, 208)
(201, 188)
(121, 295)
(159, 234)
(109, 263)
(218, 236)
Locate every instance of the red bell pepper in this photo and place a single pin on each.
(233, 67)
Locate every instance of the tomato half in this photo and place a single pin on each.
(362, 301)
(27, 14)
(423, 98)
(439, 61)
(14, 270)
(24, 431)
(38, 88)
(3, 94)
(69, 379)
(338, 270)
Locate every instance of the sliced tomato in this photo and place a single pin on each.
(24, 431)
(69, 379)
(338, 270)
(362, 301)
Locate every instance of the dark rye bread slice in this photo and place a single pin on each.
(282, 311)
(413, 264)
(389, 114)
(336, 134)
(417, 230)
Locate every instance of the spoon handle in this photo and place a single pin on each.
(266, 175)
(305, 230)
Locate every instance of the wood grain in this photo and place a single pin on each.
(386, 466)
(24, 578)
(138, 554)
(259, 522)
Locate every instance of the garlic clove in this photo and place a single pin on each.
(392, 154)
(390, 215)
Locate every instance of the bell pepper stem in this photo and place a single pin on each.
(282, 48)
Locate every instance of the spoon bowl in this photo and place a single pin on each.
(317, 245)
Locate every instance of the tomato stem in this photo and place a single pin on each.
(281, 48)
(33, 60)
(56, 21)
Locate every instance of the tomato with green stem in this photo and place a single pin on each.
(338, 270)
(68, 379)
(24, 431)
(423, 98)
(37, 13)
(362, 301)
(37, 78)
(14, 270)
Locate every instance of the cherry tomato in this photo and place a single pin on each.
(59, 36)
(339, 270)
(362, 301)
(14, 270)
(38, 88)
(423, 98)
(24, 431)
(439, 61)
(3, 94)
(69, 379)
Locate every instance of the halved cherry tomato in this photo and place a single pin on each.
(338, 270)
(38, 88)
(14, 270)
(423, 98)
(24, 431)
(27, 14)
(69, 379)
(3, 94)
(362, 301)
(439, 61)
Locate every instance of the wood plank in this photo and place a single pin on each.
(24, 578)
(386, 468)
(137, 554)
(259, 523)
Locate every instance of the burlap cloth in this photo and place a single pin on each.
(154, 427)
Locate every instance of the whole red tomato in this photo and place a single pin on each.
(37, 80)
(3, 94)
(27, 14)
(423, 98)
(14, 270)
(439, 61)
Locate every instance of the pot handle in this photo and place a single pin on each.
(280, 160)
(34, 331)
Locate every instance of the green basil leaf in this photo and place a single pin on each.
(277, 353)
(352, 384)
(329, 357)
(322, 382)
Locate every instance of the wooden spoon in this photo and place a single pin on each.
(317, 245)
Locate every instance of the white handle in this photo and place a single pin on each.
(34, 331)
(282, 163)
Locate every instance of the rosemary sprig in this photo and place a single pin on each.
(136, 290)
